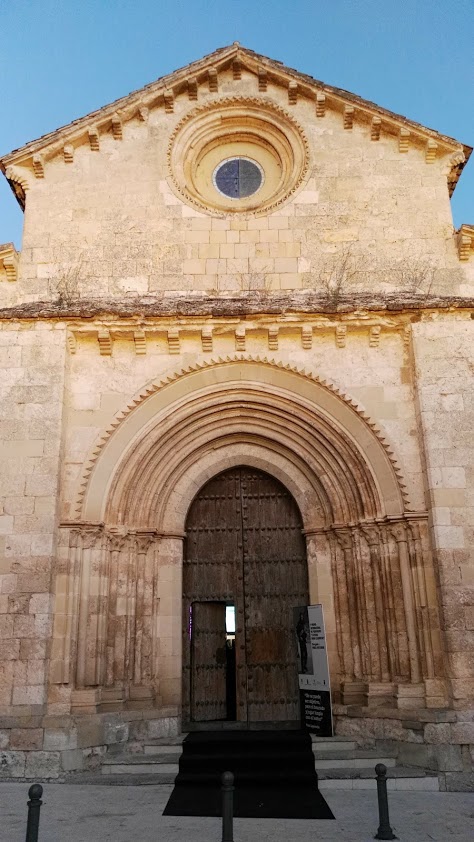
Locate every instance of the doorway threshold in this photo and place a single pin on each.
(226, 725)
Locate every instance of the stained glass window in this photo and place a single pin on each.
(238, 178)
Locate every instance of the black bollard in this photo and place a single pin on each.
(227, 807)
(384, 831)
(34, 806)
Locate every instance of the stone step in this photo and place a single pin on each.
(354, 760)
(400, 778)
(160, 763)
(320, 746)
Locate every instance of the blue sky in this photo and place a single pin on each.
(60, 59)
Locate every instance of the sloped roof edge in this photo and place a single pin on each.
(222, 57)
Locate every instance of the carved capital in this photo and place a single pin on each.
(344, 537)
(143, 540)
(371, 533)
(91, 536)
(116, 541)
(398, 531)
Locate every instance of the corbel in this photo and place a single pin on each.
(403, 140)
(320, 104)
(213, 80)
(71, 343)
(431, 151)
(105, 342)
(9, 258)
(465, 240)
(38, 165)
(168, 97)
(68, 153)
(240, 338)
(94, 141)
(307, 337)
(139, 339)
(192, 89)
(237, 69)
(341, 335)
(375, 128)
(374, 336)
(292, 93)
(348, 117)
(143, 112)
(273, 338)
(17, 176)
(206, 339)
(262, 79)
(174, 345)
(116, 127)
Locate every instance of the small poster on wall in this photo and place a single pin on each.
(313, 670)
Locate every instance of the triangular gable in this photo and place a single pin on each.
(163, 91)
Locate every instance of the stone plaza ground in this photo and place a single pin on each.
(74, 813)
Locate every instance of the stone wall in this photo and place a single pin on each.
(442, 741)
(50, 747)
(32, 358)
(444, 377)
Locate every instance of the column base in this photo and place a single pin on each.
(380, 694)
(354, 693)
(410, 696)
(140, 698)
(85, 701)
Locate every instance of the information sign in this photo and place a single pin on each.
(313, 670)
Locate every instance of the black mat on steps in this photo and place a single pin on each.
(274, 774)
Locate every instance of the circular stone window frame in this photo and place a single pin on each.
(256, 128)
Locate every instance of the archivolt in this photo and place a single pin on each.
(280, 415)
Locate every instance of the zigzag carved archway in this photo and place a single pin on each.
(174, 423)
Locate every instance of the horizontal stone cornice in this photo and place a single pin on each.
(235, 306)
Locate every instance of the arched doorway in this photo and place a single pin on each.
(244, 554)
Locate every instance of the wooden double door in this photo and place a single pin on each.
(244, 548)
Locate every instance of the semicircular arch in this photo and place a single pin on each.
(284, 413)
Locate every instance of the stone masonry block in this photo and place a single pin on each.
(436, 734)
(116, 732)
(42, 764)
(12, 764)
(26, 738)
(463, 733)
(72, 761)
(60, 739)
(449, 758)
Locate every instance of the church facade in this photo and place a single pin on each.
(237, 373)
